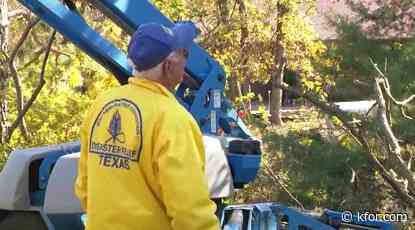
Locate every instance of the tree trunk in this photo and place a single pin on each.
(276, 94)
(245, 90)
(244, 84)
(222, 6)
(278, 79)
(3, 103)
(4, 34)
(233, 87)
(4, 30)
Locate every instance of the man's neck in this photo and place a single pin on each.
(159, 80)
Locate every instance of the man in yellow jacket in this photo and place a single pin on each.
(142, 155)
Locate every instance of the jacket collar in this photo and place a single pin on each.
(151, 85)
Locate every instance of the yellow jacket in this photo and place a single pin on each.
(142, 163)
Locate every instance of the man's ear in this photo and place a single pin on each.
(166, 67)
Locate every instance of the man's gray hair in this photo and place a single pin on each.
(154, 72)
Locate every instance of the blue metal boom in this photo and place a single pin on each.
(274, 216)
(203, 98)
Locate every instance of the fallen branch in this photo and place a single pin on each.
(37, 90)
(396, 186)
(326, 107)
(387, 87)
(360, 137)
(382, 115)
(392, 142)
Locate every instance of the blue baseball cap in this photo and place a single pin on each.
(152, 43)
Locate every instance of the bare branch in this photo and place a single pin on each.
(17, 13)
(278, 180)
(371, 108)
(58, 52)
(376, 67)
(387, 133)
(361, 83)
(346, 130)
(404, 102)
(4, 46)
(36, 56)
(37, 89)
(405, 115)
(389, 94)
(16, 79)
(23, 37)
(209, 33)
(397, 187)
(233, 10)
(38, 53)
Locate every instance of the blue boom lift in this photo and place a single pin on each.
(36, 185)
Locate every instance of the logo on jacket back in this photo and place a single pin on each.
(117, 134)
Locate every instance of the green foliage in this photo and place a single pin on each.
(250, 56)
(404, 128)
(319, 172)
(262, 120)
(244, 99)
(337, 174)
(380, 35)
(176, 10)
(4, 150)
(394, 54)
(304, 51)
